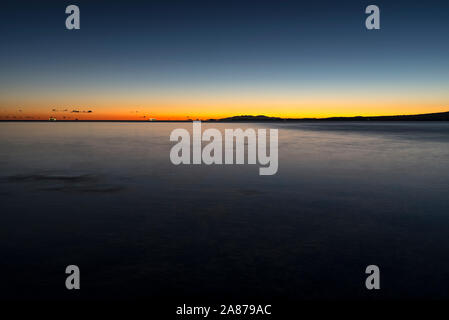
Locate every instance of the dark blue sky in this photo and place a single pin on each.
(219, 52)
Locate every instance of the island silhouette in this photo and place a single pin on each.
(440, 116)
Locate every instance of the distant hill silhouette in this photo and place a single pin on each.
(440, 116)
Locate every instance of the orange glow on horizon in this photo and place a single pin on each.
(207, 108)
(127, 117)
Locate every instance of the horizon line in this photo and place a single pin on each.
(425, 116)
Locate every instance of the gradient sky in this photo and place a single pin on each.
(206, 59)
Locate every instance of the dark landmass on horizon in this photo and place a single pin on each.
(439, 116)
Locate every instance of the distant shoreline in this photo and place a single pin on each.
(440, 116)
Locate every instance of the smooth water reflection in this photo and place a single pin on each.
(106, 197)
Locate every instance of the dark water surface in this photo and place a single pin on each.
(105, 197)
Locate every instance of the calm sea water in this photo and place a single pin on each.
(105, 197)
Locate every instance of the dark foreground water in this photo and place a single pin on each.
(105, 197)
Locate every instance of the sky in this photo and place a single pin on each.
(135, 60)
